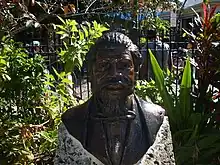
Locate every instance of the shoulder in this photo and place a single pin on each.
(153, 114)
(75, 112)
(74, 120)
(151, 108)
(70, 151)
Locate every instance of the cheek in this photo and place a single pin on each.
(131, 74)
(98, 77)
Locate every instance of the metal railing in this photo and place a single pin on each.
(168, 51)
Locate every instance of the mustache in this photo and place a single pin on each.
(116, 80)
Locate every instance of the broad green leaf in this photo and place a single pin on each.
(61, 19)
(194, 136)
(62, 74)
(206, 1)
(103, 28)
(184, 154)
(208, 141)
(207, 154)
(159, 79)
(2, 61)
(194, 119)
(186, 80)
(185, 89)
(50, 76)
(64, 36)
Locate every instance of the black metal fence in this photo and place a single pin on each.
(168, 49)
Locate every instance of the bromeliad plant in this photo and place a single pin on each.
(205, 39)
(195, 142)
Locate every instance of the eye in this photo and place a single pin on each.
(102, 66)
(125, 65)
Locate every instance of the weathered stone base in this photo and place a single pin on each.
(161, 152)
(71, 152)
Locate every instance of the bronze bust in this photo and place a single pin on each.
(114, 125)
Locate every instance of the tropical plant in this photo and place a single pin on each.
(32, 99)
(161, 26)
(57, 99)
(195, 140)
(148, 91)
(77, 40)
(205, 39)
(23, 142)
(21, 93)
(30, 109)
(21, 82)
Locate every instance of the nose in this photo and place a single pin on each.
(113, 69)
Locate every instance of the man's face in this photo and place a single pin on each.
(113, 72)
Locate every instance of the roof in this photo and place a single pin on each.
(192, 3)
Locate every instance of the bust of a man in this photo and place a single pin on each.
(115, 127)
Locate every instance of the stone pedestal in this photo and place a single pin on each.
(71, 152)
(161, 152)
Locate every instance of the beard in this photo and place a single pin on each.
(113, 105)
(112, 94)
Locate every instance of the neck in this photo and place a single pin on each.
(117, 106)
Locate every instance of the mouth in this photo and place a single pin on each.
(115, 87)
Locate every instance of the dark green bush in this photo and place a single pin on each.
(32, 100)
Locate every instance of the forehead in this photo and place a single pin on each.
(119, 52)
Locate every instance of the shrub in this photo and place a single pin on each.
(32, 100)
(196, 139)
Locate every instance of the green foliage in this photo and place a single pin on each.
(77, 40)
(160, 82)
(195, 140)
(58, 99)
(161, 26)
(148, 91)
(18, 74)
(206, 43)
(31, 102)
(21, 91)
